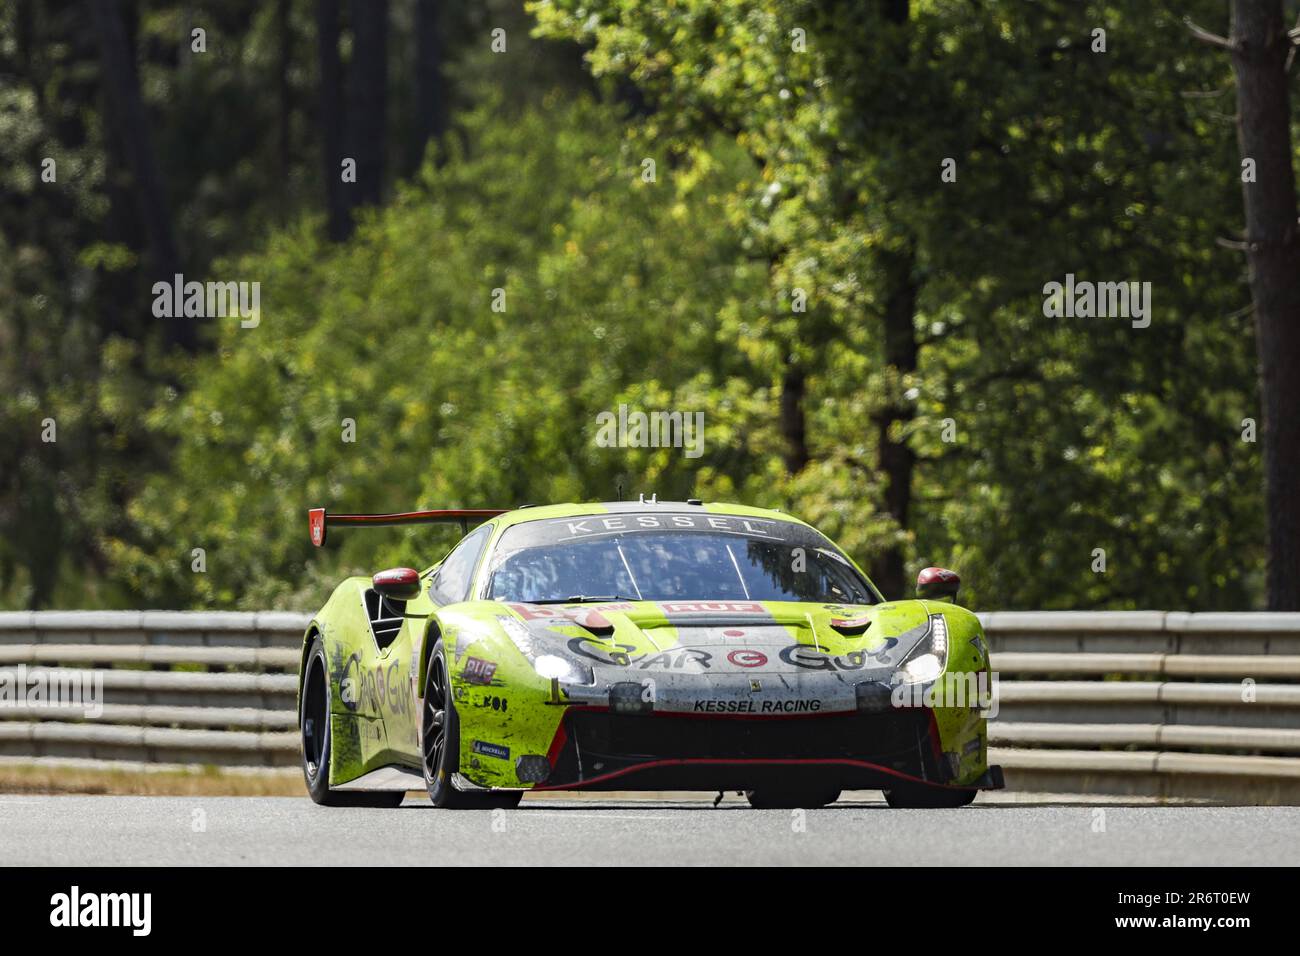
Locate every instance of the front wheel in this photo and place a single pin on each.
(928, 798)
(314, 720)
(441, 746)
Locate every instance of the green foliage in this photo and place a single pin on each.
(779, 169)
(234, 131)
(611, 294)
(1071, 435)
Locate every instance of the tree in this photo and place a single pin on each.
(608, 300)
(430, 85)
(122, 89)
(867, 342)
(368, 101)
(928, 302)
(284, 89)
(331, 118)
(1261, 52)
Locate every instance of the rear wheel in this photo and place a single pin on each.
(928, 798)
(314, 719)
(770, 798)
(441, 746)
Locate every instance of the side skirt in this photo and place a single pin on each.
(391, 777)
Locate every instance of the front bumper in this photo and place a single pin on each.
(599, 749)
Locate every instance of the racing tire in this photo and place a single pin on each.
(770, 798)
(440, 745)
(928, 798)
(314, 722)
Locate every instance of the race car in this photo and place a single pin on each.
(639, 645)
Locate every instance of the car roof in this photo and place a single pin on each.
(645, 506)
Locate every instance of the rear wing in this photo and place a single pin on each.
(318, 519)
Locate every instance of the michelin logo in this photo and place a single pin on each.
(491, 750)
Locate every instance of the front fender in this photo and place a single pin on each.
(966, 690)
(505, 709)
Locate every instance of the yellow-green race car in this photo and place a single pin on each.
(640, 645)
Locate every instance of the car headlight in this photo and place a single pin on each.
(554, 667)
(926, 661)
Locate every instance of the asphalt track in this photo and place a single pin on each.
(242, 831)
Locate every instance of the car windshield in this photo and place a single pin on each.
(671, 557)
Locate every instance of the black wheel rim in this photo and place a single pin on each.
(314, 717)
(435, 719)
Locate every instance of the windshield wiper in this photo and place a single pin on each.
(583, 599)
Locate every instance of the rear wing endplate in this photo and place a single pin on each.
(318, 519)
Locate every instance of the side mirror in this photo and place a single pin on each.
(399, 584)
(938, 584)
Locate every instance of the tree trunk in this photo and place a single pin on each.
(1263, 117)
(895, 458)
(285, 30)
(794, 387)
(430, 88)
(127, 114)
(24, 33)
(368, 103)
(331, 118)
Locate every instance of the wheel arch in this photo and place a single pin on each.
(432, 632)
(313, 631)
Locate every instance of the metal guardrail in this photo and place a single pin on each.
(178, 687)
(1150, 704)
(1175, 706)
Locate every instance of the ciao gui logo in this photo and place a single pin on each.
(697, 659)
(381, 689)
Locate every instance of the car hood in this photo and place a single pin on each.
(690, 649)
